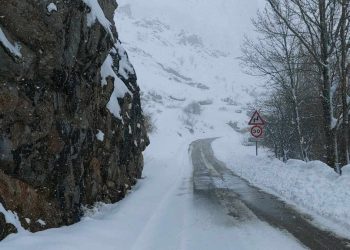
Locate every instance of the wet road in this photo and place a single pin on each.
(244, 201)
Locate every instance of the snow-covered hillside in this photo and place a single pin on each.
(185, 54)
(189, 54)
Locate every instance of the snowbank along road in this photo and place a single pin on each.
(245, 202)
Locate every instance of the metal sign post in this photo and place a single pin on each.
(257, 130)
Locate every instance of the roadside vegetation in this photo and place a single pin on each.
(302, 51)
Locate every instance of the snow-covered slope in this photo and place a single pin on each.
(187, 51)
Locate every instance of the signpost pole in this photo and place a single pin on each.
(256, 147)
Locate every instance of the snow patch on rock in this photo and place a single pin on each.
(100, 135)
(41, 222)
(14, 49)
(12, 218)
(51, 7)
(125, 67)
(96, 13)
(120, 90)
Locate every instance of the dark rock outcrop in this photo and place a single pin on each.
(5, 228)
(60, 145)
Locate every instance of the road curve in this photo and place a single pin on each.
(243, 201)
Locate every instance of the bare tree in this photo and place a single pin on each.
(344, 68)
(317, 26)
(279, 56)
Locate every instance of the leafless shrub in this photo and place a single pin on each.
(229, 101)
(149, 123)
(193, 108)
(206, 102)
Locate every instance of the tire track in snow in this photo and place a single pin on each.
(159, 231)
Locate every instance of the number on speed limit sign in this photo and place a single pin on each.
(256, 131)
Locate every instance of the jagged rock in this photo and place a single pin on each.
(52, 106)
(6, 228)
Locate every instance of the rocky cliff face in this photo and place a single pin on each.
(71, 125)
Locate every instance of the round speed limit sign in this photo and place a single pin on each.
(256, 131)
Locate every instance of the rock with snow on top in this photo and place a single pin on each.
(51, 7)
(62, 84)
(100, 135)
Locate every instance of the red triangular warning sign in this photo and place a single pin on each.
(256, 119)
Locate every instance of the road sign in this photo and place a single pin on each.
(256, 131)
(256, 119)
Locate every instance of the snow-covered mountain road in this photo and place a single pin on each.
(245, 202)
(185, 54)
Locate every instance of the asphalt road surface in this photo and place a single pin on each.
(211, 178)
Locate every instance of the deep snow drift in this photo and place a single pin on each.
(313, 187)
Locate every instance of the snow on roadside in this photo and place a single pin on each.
(312, 187)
